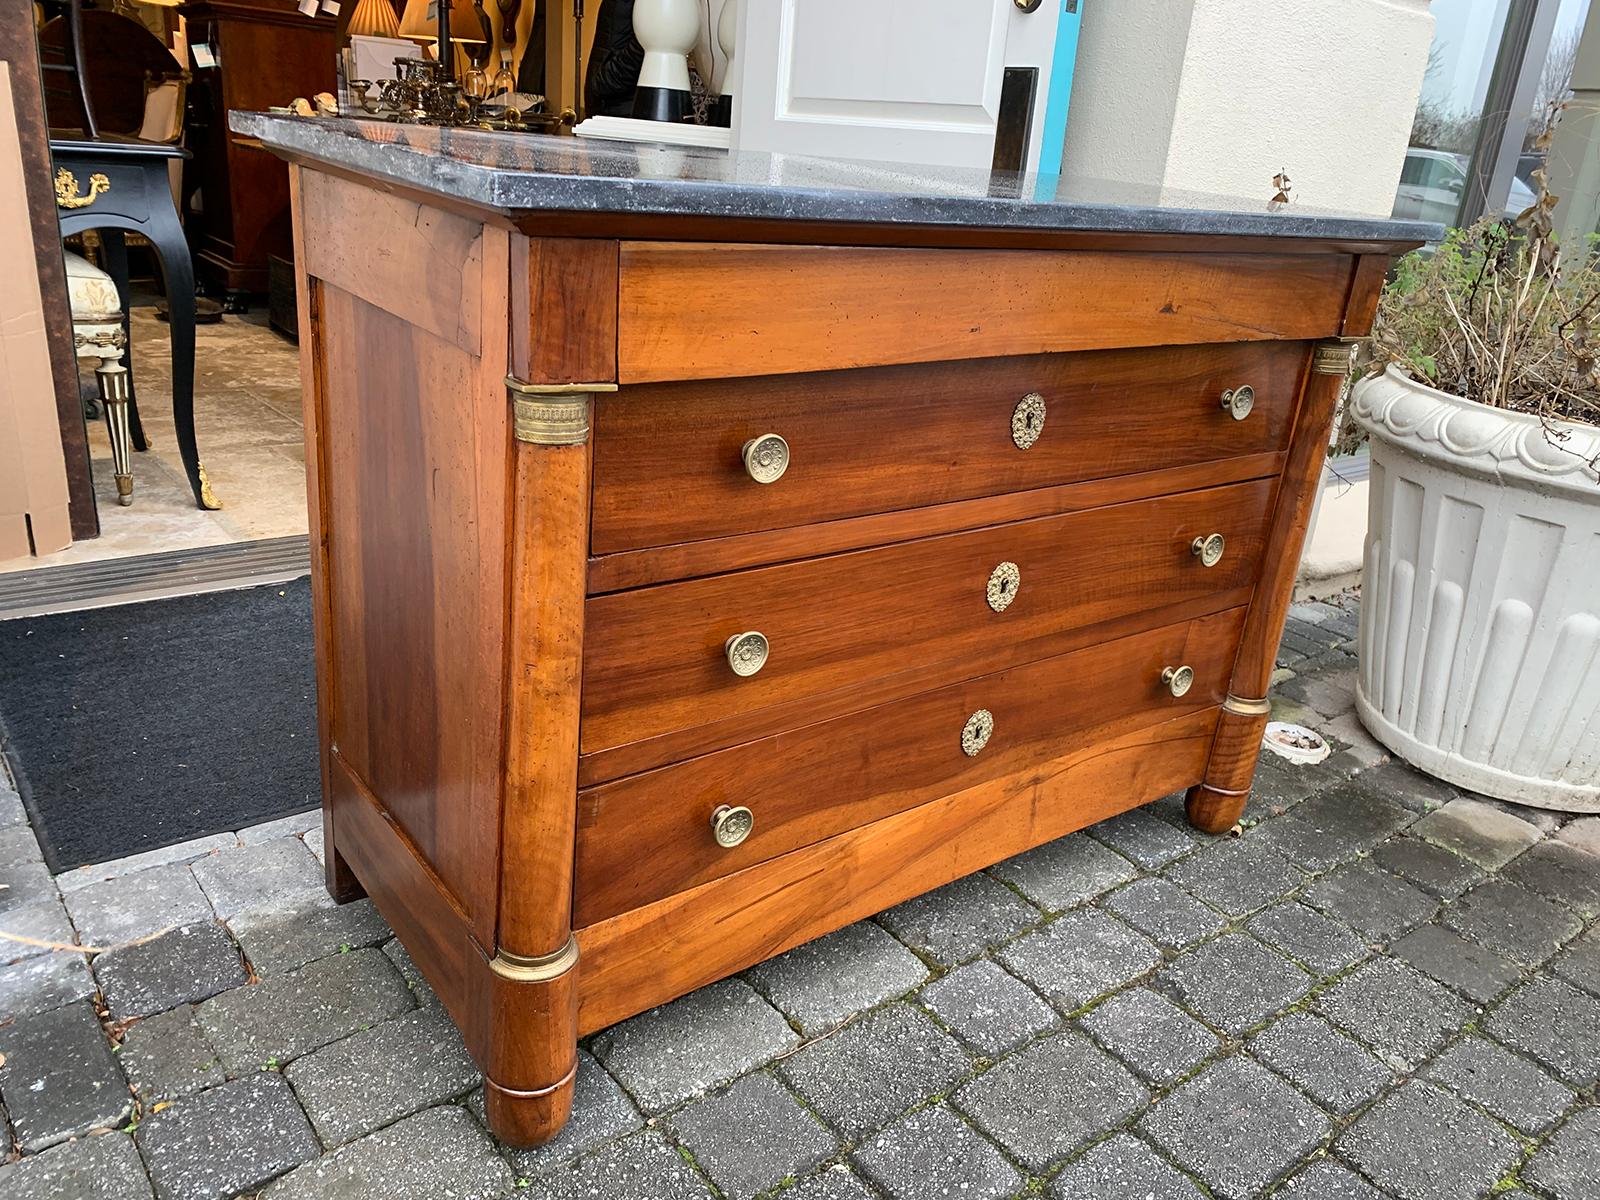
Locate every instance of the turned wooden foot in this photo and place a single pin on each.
(1214, 811)
(528, 1118)
(1216, 804)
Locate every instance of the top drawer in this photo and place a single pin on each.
(669, 467)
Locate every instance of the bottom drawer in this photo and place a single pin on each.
(650, 835)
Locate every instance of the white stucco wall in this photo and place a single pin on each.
(1218, 95)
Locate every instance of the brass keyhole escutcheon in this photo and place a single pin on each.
(1209, 549)
(1027, 420)
(766, 458)
(746, 652)
(1004, 583)
(1178, 679)
(976, 732)
(730, 825)
(1237, 402)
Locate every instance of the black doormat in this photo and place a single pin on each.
(144, 725)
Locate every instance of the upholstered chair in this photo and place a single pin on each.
(97, 337)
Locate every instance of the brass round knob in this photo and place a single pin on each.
(976, 732)
(747, 652)
(1027, 420)
(730, 825)
(766, 458)
(1178, 679)
(1237, 402)
(1209, 549)
(1004, 583)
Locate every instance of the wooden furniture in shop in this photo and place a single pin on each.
(689, 587)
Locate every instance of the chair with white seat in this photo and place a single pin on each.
(97, 336)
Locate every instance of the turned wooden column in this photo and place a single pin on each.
(1215, 804)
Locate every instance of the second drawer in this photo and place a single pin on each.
(808, 784)
(665, 658)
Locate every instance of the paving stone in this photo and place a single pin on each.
(1165, 912)
(1556, 1024)
(641, 1167)
(1432, 868)
(1150, 1033)
(168, 1055)
(58, 1077)
(1329, 1179)
(19, 845)
(821, 983)
(105, 1167)
(183, 852)
(11, 810)
(23, 884)
(1334, 826)
(1421, 1143)
(1236, 875)
(1583, 832)
(678, 1050)
(1122, 1168)
(291, 826)
(1331, 693)
(193, 962)
(1080, 957)
(934, 1153)
(1332, 1069)
(961, 919)
(1406, 785)
(1568, 1165)
(752, 1135)
(396, 953)
(134, 906)
(1026, 1103)
(837, 1182)
(875, 1068)
(276, 1021)
(1471, 969)
(276, 941)
(601, 1113)
(1509, 1086)
(1560, 872)
(1370, 900)
(226, 1140)
(987, 1007)
(1279, 785)
(1144, 838)
(1237, 1126)
(381, 1074)
(1398, 1012)
(314, 842)
(1477, 831)
(1348, 731)
(265, 875)
(44, 920)
(1308, 937)
(439, 1153)
(1066, 872)
(1579, 963)
(1235, 981)
(43, 982)
(1511, 921)
(1545, 820)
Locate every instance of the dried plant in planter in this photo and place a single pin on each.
(1495, 315)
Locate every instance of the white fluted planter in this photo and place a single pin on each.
(1480, 612)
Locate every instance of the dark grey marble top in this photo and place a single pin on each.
(527, 172)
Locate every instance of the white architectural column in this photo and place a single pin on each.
(1218, 96)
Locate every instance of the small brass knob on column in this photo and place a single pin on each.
(730, 825)
(766, 458)
(1209, 549)
(1237, 402)
(747, 652)
(1178, 679)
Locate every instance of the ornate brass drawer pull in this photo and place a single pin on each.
(731, 825)
(1027, 420)
(766, 458)
(1178, 679)
(747, 652)
(976, 732)
(1237, 402)
(1209, 549)
(1004, 583)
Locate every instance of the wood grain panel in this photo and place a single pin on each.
(742, 919)
(654, 661)
(413, 439)
(667, 456)
(767, 310)
(811, 783)
(568, 331)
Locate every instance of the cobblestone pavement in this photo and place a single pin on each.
(1380, 988)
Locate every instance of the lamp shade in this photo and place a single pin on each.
(420, 22)
(373, 18)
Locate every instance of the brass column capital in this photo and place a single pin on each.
(552, 414)
(540, 968)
